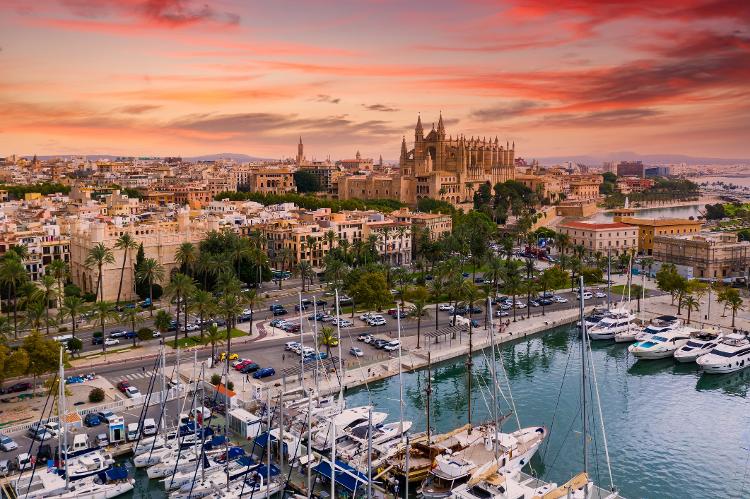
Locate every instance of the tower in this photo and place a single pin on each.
(418, 140)
(300, 152)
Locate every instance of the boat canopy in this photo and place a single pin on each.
(346, 476)
(114, 473)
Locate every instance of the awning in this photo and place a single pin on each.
(346, 476)
(262, 440)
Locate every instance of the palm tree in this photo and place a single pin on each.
(494, 272)
(150, 271)
(231, 305)
(419, 306)
(180, 287)
(214, 337)
(732, 300)
(132, 316)
(253, 300)
(125, 243)
(512, 282)
(162, 322)
(72, 306)
(437, 288)
(103, 313)
(304, 270)
(12, 274)
(35, 314)
(562, 241)
(330, 237)
(47, 286)
(187, 256)
(691, 303)
(97, 256)
(202, 303)
(240, 251)
(59, 270)
(4, 329)
(327, 337)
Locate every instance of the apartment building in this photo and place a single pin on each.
(612, 237)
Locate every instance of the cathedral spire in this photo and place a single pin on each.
(418, 130)
(441, 127)
(403, 147)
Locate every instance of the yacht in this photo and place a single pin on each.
(700, 343)
(453, 469)
(50, 485)
(617, 320)
(628, 335)
(519, 486)
(730, 355)
(662, 345)
(345, 421)
(88, 464)
(658, 325)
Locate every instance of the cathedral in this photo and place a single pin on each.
(439, 167)
(451, 169)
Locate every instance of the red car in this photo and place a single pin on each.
(123, 385)
(243, 364)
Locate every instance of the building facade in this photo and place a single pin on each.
(615, 237)
(649, 228)
(711, 255)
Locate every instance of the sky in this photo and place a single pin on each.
(184, 77)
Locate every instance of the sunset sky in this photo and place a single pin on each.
(183, 77)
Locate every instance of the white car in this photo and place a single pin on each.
(445, 307)
(600, 294)
(586, 295)
(156, 334)
(392, 345)
(132, 392)
(520, 304)
(559, 299)
(290, 345)
(357, 352)
(502, 313)
(377, 322)
(111, 342)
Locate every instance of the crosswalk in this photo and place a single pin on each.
(139, 375)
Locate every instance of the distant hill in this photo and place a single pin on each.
(242, 158)
(595, 160)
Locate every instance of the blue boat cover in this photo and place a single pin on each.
(261, 440)
(246, 461)
(218, 440)
(115, 473)
(262, 471)
(235, 452)
(346, 476)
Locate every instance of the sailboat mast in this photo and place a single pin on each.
(400, 375)
(341, 360)
(428, 392)
(584, 341)
(609, 279)
(469, 364)
(301, 345)
(268, 447)
(369, 453)
(493, 367)
(309, 443)
(62, 419)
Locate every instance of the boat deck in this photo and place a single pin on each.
(598, 493)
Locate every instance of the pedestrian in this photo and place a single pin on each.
(144, 369)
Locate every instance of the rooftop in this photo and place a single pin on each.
(594, 226)
(659, 222)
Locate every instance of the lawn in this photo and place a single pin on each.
(192, 341)
(620, 289)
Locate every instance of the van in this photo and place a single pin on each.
(149, 427)
(133, 431)
(80, 443)
(23, 462)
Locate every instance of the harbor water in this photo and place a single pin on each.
(672, 432)
(686, 211)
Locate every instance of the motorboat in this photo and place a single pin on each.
(253, 486)
(700, 343)
(207, 467)
(617, 320)
(88, 464)
(345, 421)
(657, 326)
(662, 345)
(50, 485)
(629, 334)
(730, 355)
(151, 458)
(380, 433)
(453, 469)
(518, 486)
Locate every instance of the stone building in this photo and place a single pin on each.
(711, 255)
(649, 228)
(600, 237)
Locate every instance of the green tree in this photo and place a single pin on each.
(187, 256)
(132, 316)
(43, 355)
(150, 271)
(690, 303)
(96, 396)
(180, 287)
(231, 305)
(371, 291)
(327, 337)
(668, 279)
(418, 298)
(145, 334)
(254, 301)
(13, 274)
(97, 257)
(305, 272)
(16, 363)
(125, 243)
(512, 282)
(732, 300)
(162, 322)
(103, 313)
(47, 286)
(75, 345)
(437, 289)
(73, 307)
(306, 182)
(214, 337)
(202, 304)
(59, 270)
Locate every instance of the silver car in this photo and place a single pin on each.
(7, 444)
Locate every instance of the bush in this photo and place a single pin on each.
(89, 297)
(96, 395)
(97, 334)
(145, 333)
(75, 345)
(230, 385)
(141, 289)
(215, 379)
(72, 290)
(62, 329)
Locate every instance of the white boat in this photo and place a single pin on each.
(380, 433)
(345, 421)
(516, 486)
(657, 326)
(661, 345)
(730, 355)
(50, 485)
(453, 469)
(617, 320)
(700, 343)
(183, 461)
(628, 335)
(151, 458)
(89, 464)
(251, 487)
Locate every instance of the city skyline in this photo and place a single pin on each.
(169, 77)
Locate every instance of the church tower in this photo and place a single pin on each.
(418, 141)
(300, 152)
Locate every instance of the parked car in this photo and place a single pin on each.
(97, 340)
(117, 334)
(110, 342)
(547, 294)
(379, 343)
(363, 337)
(107, 416)
(130, 335)
(264, 373)
(17, 387)
(4, 467)
(559, 299)
(316, 356)
(242, 364)
(369, 339)
(445, 307)
(587, 295)
(546, 301)
(149, 427)
(534, 303)
(132, 392)
(502, 313)
(40, 434)
(280, 311)
(289, 345)
(223, 356)
(133, 432)
(249, 368)
(391, 346)
(600, 294)
(321, 303)
(92, 419)
(123, 386)
(357, 352)
(297, 307)
(345, 300)
(156, 334)
(7, 444)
